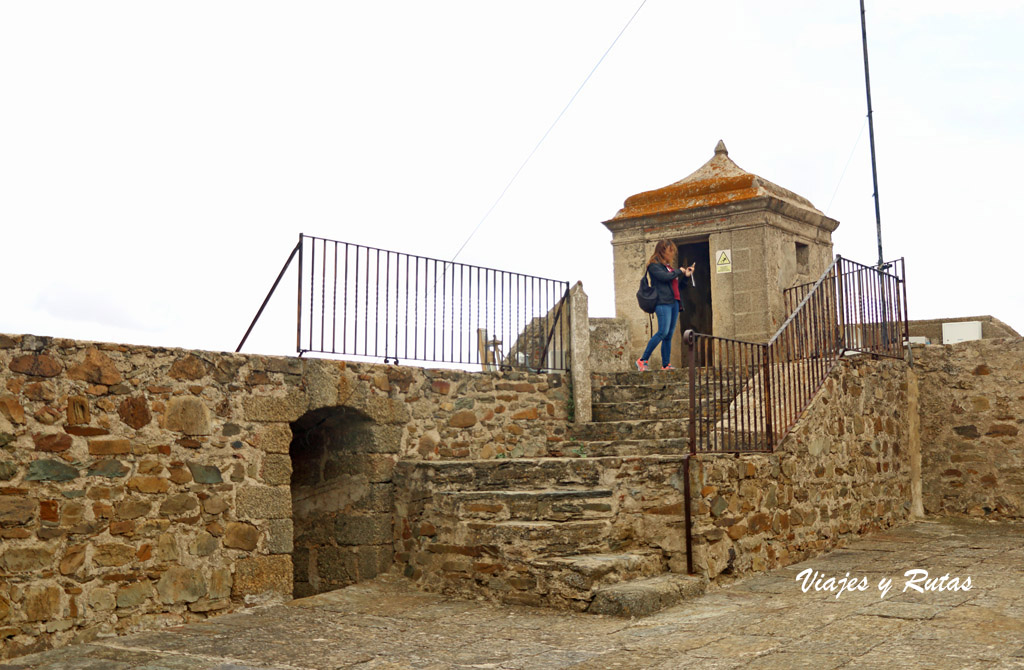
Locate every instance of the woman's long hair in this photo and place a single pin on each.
(665, 253)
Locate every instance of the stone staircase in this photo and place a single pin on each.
(597, 526)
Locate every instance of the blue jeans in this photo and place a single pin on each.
(667, 315)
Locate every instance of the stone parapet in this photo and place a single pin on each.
(844, 470)
(972, 427)
(991, 328)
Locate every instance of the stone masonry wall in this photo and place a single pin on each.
(142, 487)
(139, 487)
(972, 428)
(844, 470)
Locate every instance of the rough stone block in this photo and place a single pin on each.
(134, 595)
(241, 536)
(16, 511)
(148, 484)
(176, 505)
(645, 596)
(375, 467)
(279, 536)
(188, 368)
(321, 382)
(27, 559)
(78, 410)
(369, 438)
(36, 365)
(135, 412)
(7, 471)
(337, 566)
(113, 555)
(50, 471)
(73, 559)
(10, 407)
(263, 575)
(263, 502)
(275, 438)
(42, 602)
(109, 447)
(188, 415)
(109, 468)
(286, 408)
(363, 530)
(386, 410)
(276, 469)
(179, 584)
(378, 498)
(205, 474)
(97, 368)
(132, 509)
(463, 419)
(374, 560)
(219, 583)
(102, 600)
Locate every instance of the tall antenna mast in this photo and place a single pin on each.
(871, 134)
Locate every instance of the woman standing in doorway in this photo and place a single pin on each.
(665, 280)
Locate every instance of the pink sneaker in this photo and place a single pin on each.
(641, 365)
(668, 367)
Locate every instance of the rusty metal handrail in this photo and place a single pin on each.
(377, 303)
(746, 396)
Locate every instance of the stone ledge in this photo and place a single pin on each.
(646, 596)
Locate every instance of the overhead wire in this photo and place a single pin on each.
(843, 175)
(511, 181)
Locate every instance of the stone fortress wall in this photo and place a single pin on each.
(972, 427)
(142, 487)
(846, 468)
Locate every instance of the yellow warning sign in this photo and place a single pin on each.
(723, 261)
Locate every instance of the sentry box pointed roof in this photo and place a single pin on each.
(719, 181)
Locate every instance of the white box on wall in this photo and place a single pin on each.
(961, 331)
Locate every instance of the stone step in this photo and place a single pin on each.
(623, 448)
(647, 429)
(528, 539)
(640, 393)
(643, 597)
(574, 578)
(636, 378)
(517, 474)
(539, 505)
(653, 408)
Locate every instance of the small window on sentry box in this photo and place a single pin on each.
(803, 257)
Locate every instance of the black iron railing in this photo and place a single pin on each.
(746, 396)
(362, 301)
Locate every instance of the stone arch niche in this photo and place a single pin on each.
(342, 498)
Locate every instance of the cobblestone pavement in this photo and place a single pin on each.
(760, 622)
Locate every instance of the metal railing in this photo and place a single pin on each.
(367, 302)
(750, 395)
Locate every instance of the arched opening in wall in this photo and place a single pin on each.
(342, 498)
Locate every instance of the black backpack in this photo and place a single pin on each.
(646, 297)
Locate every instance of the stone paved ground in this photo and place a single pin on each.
(760, 622)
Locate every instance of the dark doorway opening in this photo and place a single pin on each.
(696, 312)
(342, 498)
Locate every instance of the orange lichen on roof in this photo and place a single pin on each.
(717, 182)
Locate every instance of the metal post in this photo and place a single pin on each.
(298, 318)
(273, 288)
(871, 133)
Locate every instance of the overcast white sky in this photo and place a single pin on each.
(158, 160)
